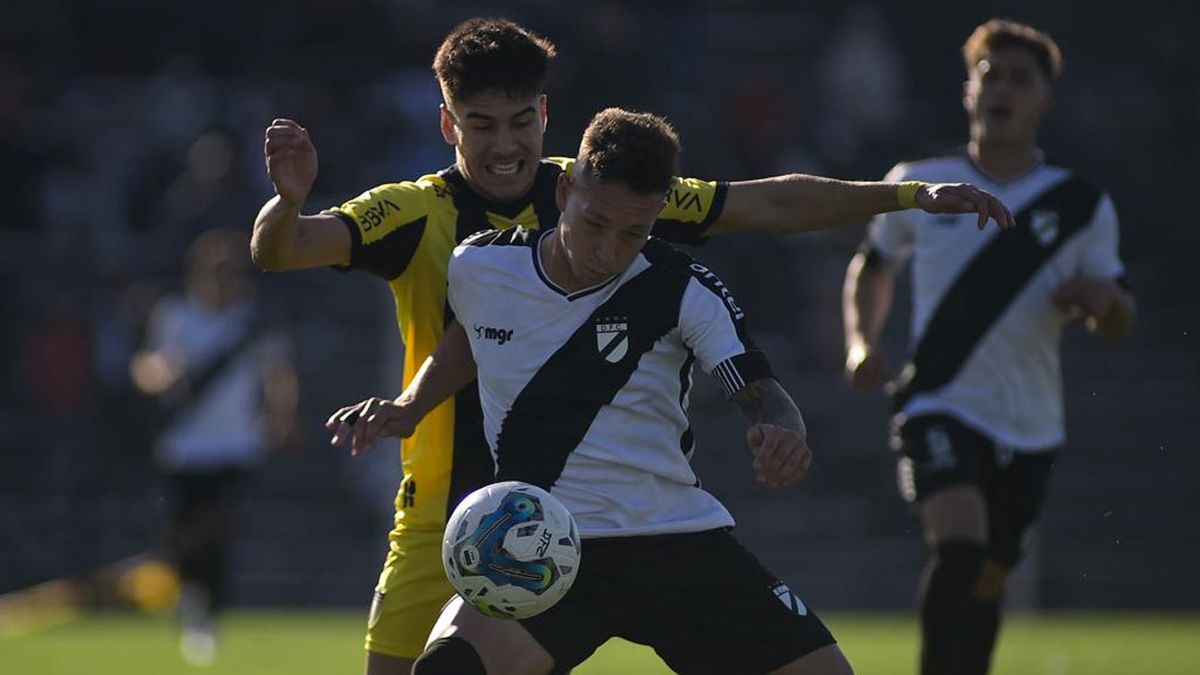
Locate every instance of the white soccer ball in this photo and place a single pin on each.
(511, 550)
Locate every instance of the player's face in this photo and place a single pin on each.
(218, 283)
(498, 141)
(1006, 97)
(604, 226)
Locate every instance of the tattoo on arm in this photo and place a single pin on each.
(766, 402)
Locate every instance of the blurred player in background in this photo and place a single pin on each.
(979, 406)
(226, 394)
(492, 75)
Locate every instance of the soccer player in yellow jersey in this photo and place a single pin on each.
(492, 74)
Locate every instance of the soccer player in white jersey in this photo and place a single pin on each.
(979, 404)
(583, 338)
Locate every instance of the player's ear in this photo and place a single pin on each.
(562, 189)
(544, 111)
(966, 96)
(447, 124)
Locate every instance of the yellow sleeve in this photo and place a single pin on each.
(386, 224)
(692, 206)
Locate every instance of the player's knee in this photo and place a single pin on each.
(992, 577)
(449, 656)
(957, 566)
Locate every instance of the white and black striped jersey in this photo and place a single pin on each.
(985, 334)
(585, 394)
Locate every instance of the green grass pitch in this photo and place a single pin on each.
(293, 643)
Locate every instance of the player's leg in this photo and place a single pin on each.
(200, 536)
(466, 642)
(1015, 495)
(411, 592)
(942, 470)
(721, 612)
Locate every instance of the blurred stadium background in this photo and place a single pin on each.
(129, 126)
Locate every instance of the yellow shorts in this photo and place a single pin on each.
(411, 592)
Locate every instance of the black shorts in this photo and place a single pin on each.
(938, 451)
(701, 600)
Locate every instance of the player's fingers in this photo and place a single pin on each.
(377, 422)
(754, 437)
(774, 455)
(1000, 213)
(281, 144)
(792, 470)
(348, 411)
(980, 206)
(359, 428)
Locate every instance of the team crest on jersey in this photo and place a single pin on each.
(1044, 225)
(612, 338)
(784, 595)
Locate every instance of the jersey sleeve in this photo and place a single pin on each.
(692, 207)
(386, 225)
(458, 280)
(713, 327)
(891, 235)
(1100, 253)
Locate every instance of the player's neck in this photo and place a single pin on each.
(555, 263)
(1004, 161)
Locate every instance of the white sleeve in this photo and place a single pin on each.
(713, 326)
(456, 282)
(892, 234)
(1099, 257)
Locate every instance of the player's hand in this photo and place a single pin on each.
(291, 160)
(964, 198)
(366, 422)
(867, 370)
(781, 457)
(1086, 297)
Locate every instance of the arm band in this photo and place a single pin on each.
(906, 194)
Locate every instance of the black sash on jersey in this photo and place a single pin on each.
(551, 415)
(990, 282)
(166, 410)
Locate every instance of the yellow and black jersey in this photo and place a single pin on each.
(404, 233)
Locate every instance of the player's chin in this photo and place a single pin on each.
(508, 186)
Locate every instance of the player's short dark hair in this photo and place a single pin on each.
(481, 54)
(637, 149)
(1000, 34)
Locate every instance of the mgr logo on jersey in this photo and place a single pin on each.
(1044, 225)
(612, 338)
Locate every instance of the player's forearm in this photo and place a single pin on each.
(273, 243)
(447, 371)
(802, 203)
(766, 402)
(866, 303)
(1117, 324)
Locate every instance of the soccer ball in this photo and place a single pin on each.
(511, 550)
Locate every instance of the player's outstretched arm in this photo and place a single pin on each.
(802, 203)
(866, 301)
(283, 239)
(776, 436)
(449, 369)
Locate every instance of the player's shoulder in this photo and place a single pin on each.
(950, 166)
(673, 262)
(561, 164)
(401, 201)
(666, 258)
(1062, 174)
